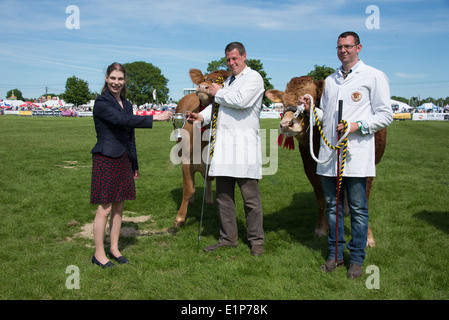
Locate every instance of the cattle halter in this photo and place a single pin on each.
(297, 110)
(289, 142)
(342, 142)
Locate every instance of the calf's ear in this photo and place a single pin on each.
(196, 76)
(274, 95)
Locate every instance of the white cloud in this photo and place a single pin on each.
(213, 15)
(410, 76)
(289, 36)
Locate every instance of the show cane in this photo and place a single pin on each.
(340, 113)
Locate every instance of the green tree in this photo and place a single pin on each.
(76, 91)
(143, 79)
(321, 72)
(254, 64)
(414, 101)
(401, 99)
(17, 93)
(217, 65)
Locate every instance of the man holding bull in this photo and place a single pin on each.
(237, 148)
(365, 93)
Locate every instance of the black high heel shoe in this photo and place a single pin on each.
(108, 264)
(121, 259)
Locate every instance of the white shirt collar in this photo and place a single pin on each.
(354, 67)
(241, 72)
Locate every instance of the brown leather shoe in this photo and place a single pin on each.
(330, 265)
(354, 271)
(257, 250)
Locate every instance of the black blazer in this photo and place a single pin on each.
(115, 127)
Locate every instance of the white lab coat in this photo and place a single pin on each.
(366, 97)
(237, 150)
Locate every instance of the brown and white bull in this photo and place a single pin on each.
(195, 102)
(299, 129)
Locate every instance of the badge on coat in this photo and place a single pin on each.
(356, 96)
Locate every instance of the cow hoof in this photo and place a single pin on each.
(178, 224)
(371, 243)
(319, 233)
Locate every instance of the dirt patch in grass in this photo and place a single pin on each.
(71, 165)
(125, 231)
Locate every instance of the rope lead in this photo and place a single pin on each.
(342, 143)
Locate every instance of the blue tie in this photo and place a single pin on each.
(232, 79)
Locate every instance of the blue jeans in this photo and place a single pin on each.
(358, 206)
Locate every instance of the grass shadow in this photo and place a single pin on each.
(439, 219)
(298, 220)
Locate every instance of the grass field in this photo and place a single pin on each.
(44, 206)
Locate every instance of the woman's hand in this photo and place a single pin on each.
(164, 116)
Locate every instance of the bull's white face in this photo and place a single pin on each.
(290, 126)
(202, 91)
(204, 82)
(296, 88)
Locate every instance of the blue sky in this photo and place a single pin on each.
(37, 50)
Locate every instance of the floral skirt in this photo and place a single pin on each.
(112, 179)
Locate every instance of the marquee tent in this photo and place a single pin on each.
(428, 106)
(13, 103)
(52, 103)
(401, 105)
(4, 104)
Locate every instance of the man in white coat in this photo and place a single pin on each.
(365, 93)
(237, 155)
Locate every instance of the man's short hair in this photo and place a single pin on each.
(351, 33)
(236, 45)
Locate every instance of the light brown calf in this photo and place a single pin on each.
(195, 102)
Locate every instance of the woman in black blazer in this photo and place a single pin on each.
(114, 160)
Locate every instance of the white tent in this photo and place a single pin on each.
(88, 104)
(14, 103)
(401, 105)
(428, 106)
(52, 103)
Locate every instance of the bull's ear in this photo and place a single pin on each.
(274, 95)
(320, 89)
(196, 76)
(225, 74)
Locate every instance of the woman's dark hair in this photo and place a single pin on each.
(118, 67)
